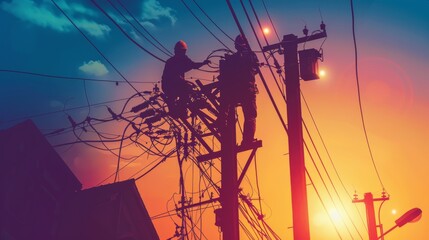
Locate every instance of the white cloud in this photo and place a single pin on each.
(93, 28)
(147, 24)
(42, 15)
(135, 35)
(76, 8)
(95, 68)
(27, 10)
(152, 10)
(117, 19)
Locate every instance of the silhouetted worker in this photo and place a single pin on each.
(174, 85)
(240, 87)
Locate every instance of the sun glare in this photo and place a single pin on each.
(394, 211)
(335, 215)
(266, 30)
(322, 73)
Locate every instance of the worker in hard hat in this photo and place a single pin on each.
(239, 85)
(174, 85)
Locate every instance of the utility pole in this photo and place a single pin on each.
(229, 190)
(370, 212)
(301, 229)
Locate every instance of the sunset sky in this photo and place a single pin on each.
(392, 39)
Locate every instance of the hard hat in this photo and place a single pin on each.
(181, 45)
(240, 40)
(240, 43)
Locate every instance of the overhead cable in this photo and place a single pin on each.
(220, 29)
(141, 25)
(359, 95)
(67, 77)
(125, 33)
(195, 16)
(96, 48)
(135, 28)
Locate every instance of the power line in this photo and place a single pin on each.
(204, 12)
(96, 48)
(254, 11)
(330, 180)
(67, 77)
(135, 28)
(359, 95)
(260, 45)
(195, 16)
(259, 71)
(125, 33)
(61, 111)
(141, 25)
(323, 204)
(269, 17)
(330, 159)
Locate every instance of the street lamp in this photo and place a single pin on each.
(412, 215)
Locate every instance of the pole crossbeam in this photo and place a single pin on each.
(370, 212)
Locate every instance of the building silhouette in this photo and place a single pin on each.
(40, 197)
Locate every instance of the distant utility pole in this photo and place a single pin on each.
(301, 229)
(370, 213)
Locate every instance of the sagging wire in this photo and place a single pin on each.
(92, 44)
(125, 33)
(137, 30)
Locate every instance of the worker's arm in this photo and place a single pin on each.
(196, 65)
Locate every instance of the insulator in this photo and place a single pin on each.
(147, 113)
(156, 88)
(140, 107)
(73, 123)
(323, 26)
(305, 30)
(355, 196)
(153, 119)
(135, 128)
(114, 115)
(161, 131)
(151, 99)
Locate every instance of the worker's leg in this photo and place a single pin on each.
(250, 114)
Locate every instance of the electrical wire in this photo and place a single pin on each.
(259, 72)
(211, 20)
(60, 111)
(68, 77)
(253, 9)
(273, 75)
(260, 45)
(271, 21)
(323, 204)
(359, 95)
(137, 30)
(195, 16)
(125, 33)
(324, 183)
(96, 48)
(141, 25)
(330, 158)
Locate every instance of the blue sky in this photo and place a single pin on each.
(392, 36)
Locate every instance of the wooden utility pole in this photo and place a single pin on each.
(370, 213)
(301, 229)
(229, 190)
